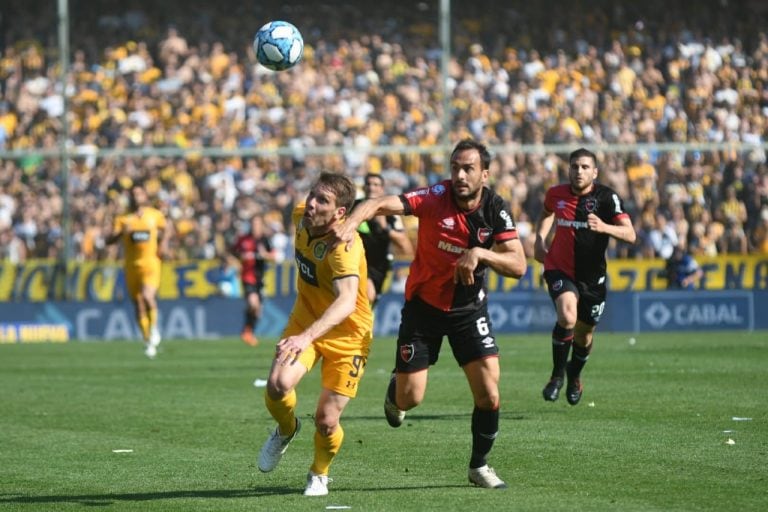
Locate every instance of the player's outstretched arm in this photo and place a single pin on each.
(385, 205)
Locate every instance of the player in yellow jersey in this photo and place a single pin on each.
(144, 233)
(331, 320)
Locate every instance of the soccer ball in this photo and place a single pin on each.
(278, 45)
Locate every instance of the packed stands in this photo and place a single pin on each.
(160, 75)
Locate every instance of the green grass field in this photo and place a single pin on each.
(652, 431)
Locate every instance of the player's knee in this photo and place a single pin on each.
(277, 388)
(326, 426)
(408, 400)
(567, 319)
(488, 402)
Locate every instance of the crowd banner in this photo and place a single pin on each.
(41, 280)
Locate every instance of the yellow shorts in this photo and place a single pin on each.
(141, 274)
(343, 362)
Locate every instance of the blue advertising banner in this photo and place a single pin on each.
(528, 311)
(691, 311)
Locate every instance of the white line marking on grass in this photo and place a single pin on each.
(122, 451)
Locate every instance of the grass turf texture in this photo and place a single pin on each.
(650, 433)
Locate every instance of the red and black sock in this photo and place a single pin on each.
(579, 359)
(485, 427)
(562, 339)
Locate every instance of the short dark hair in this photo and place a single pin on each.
(580, 153)
(342, 187)
(466, 144)
(373, 175)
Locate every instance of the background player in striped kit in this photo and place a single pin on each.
(585, 214)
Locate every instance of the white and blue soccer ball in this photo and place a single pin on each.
(278, 45)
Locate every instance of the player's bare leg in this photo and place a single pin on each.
(405, 391)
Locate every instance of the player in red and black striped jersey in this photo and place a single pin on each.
(585, 214)
(253, 250)
(464, 229)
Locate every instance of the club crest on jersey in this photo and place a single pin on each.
(438, 189)
(319, 250)
(483, 234)
(407, 352)
(590, 204)
(557, 285)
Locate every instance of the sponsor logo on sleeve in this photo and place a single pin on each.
(508, 222)
(438, 189)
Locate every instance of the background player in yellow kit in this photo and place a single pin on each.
(144, 234)
(331, 319)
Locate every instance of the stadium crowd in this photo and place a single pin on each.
(163, 75)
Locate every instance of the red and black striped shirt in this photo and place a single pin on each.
(576, 250)
(445, 233)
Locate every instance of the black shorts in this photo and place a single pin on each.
(377, 276)
(591, 297)
(423, 327)
(252, 288)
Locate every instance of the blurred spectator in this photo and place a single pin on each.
(734, 239)
(682, 270)
(760, 238)
(12, 248)
(663, 237)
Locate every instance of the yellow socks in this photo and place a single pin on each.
(326, 448)
(283, 412)
(144, 326)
